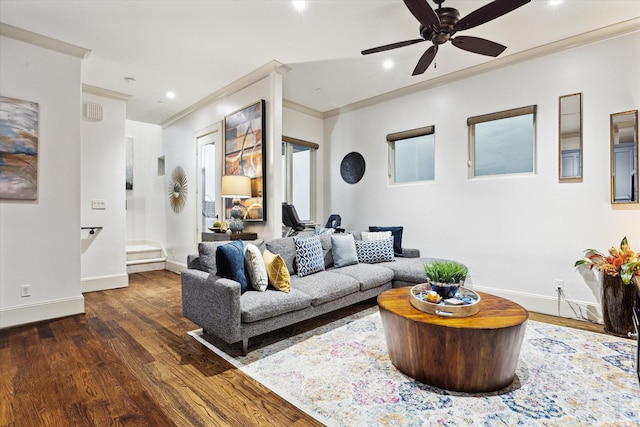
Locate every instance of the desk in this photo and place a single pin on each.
(472, 354)
(221, 237)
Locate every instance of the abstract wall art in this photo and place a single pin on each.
(244, 154)
(18, 149)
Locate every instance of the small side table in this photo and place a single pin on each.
(220, 237)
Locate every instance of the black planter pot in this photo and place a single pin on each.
(618, 301)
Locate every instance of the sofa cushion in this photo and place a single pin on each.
(343, 249)
(408, 269)
(207, 255)
(369, 276)
(255, 306)
(374, 251)
(277, 271)
(254, 268)
(397, 236)
(286, 248)
(230, 263)
(206, 260)
(309, 257)
(325, 286)
(375, 235)
(325, 240)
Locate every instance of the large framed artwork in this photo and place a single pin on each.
(244, 154)
(18, 149)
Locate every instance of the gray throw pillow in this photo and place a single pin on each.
(207, 255)
(344, 251)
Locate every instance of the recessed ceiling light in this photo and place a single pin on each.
(171, 95)
(555, 2)
(388, 64)
(299, 5)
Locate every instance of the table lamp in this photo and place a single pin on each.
(236, 187)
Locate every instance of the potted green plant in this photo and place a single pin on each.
(446, 277)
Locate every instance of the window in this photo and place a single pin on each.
(412, 155)
(299, 173)
(502, 143)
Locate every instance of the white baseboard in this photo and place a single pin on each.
(175, 267)
(23, 314)
(547, 305)
(101, 283)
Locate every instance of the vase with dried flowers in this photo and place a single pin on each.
(620, 275)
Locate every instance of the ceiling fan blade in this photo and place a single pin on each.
(425, 60)
(487, 13)
(423, 13)
(478, 45)
(391, 46)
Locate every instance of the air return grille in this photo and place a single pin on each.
(92, 112)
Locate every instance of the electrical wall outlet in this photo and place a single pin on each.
(25, 290)
(559, 285)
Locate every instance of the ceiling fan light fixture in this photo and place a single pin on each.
(440, 25)
(299, 5)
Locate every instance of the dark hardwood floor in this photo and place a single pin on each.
(129, 361)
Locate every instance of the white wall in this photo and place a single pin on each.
(179, 141)
(147, 200)
(518, 234)
(300, 125)
(40, 240)
(103, 178)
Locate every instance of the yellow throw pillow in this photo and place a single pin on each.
(277, 271)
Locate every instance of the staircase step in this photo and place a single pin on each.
(146, 266)
(137, 252)
(144, 256)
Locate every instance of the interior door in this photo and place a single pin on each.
(208, 185)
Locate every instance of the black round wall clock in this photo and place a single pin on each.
(352, 167)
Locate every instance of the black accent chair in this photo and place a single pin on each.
(334, 222)
(290, 217)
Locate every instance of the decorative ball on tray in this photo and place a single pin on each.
(446, 277)
(219, 227)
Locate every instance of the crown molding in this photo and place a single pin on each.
(302, 109)
(95, 90)
(43, 41)
(604, 33)
(242, 83)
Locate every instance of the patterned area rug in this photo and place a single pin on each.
(341, 374)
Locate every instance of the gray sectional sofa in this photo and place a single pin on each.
(220, 308)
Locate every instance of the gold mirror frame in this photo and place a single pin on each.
(624, 157)
(178, 189)
(570, 138)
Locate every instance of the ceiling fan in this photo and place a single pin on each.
(439, 26)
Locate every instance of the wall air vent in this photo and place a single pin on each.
(92, 112)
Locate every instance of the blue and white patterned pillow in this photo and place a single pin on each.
(309, 256)
(373, 251)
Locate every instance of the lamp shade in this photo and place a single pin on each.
(236, 186)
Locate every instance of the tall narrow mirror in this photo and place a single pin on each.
(570, 137)
(624, 157)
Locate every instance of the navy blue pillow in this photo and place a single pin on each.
(230, 262)
(397, 236)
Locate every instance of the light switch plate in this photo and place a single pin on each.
(98, 204)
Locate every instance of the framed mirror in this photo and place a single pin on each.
(570, 138)
(624, 157)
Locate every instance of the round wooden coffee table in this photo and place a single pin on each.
(472, 354)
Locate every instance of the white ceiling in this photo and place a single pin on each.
(196, 48)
